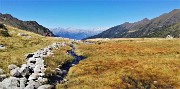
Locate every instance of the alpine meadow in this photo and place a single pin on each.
(90, 44)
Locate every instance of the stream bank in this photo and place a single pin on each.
(62, 70)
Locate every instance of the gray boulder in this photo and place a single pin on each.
(2, 77)
(47, 86)
(24, 70)
(12, 66)
(32, 85)
(2, 46)
(31, 62)
(22, 83)
(42, 80)
(10, 83)
(33, 76)
(15, 72)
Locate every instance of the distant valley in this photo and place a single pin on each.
(74, 33)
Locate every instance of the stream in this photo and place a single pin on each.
(62, 71)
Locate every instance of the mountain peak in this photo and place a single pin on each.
(175, 10)
(145, 19)
(31, 26)
(145, 27)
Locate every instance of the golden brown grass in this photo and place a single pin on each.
(58, 58)
(18, 46)
(127, 64)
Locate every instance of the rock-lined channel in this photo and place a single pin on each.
(62, 70)
(32, 74)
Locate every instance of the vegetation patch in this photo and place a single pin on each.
(3, 31)
(58, 58)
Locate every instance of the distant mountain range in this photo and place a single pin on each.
(166, 24)
(75, 33)
(31, 26)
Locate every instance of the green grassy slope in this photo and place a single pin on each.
(173, 30)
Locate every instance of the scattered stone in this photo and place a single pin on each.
(2, 46)
(155, 82)
(169, 37)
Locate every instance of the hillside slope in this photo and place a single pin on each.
(142, 28)
(16, 46)
(31, 26)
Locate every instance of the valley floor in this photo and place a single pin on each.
(126, 64)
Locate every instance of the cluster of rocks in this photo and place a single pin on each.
(30, 75)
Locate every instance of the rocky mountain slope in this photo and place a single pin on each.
(31, 26)
(144, 27)
(75, 33)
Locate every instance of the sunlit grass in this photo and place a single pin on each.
(58, 58)
(127, 63)
(18, 46)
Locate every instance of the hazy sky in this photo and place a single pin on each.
(86, 13)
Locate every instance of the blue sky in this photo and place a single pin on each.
(86, 13)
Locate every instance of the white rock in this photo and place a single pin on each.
(42, 80)
(2, 77)
(12, 66)
(33, 76)
(22, 83)
(47, 86)
(10, 83)
(15, 72)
